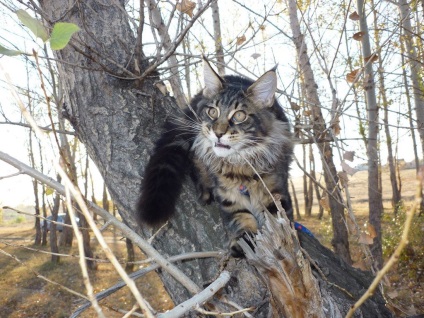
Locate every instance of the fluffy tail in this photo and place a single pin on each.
(163, 177)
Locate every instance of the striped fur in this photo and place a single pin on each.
(235, 135)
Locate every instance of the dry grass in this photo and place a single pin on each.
(22, 294)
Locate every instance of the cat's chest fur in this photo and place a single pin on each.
(241, 185)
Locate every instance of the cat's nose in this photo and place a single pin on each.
(219, 135)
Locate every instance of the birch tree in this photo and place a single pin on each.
(375, 203)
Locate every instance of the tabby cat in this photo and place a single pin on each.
(236, 137)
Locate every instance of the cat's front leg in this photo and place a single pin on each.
(203, 181)
(240, 223)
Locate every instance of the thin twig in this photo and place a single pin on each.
(82, 261)
(107, 292)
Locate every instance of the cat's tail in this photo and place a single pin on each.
(163, 177)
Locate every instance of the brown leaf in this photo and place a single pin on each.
(262, 27)
(294, 106)
(336, 126)
(328, 154)
(351, 77)
(372, 57)
(349, 155)
(324, 202)
(358, 36)
(241, 40)
(371, 230)
(343, 178)
(187, 7)
(364, 238)
(354, 16)
(307, 112)
(351, 171)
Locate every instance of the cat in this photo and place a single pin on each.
(236, 137)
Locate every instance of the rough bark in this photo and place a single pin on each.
(375, 203)
(118, 121)
(340, 237)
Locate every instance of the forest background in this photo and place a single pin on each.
(352, 88)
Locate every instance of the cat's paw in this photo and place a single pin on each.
(236, 250)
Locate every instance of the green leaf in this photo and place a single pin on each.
(49, 191)
(61, 34)
(8, 52)
(33, 24)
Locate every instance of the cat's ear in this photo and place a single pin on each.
(213, 82)
(262, 92)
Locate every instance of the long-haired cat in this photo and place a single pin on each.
(234, 139)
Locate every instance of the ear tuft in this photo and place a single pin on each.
(263, 90)
(213, 82)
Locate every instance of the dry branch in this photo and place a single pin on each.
(279, 260)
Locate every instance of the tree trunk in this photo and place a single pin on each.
(340, 240)
(38, 232)
(53, 233)
(219, 50)
(118, 121)
(374, 193)
(415, 66)
(396, 194)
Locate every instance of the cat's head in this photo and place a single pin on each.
(238, 115)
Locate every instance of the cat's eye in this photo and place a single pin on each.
(239, 117)
(212, 112)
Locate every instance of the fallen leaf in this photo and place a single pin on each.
(351, 171)
(371, 230)
(358, 36)
(351, 77)
(255, 55)
(343, 178)
(187, 7)
(393, 294)
(364, 238)
(349, 155)
(354, 16)
(241, 40)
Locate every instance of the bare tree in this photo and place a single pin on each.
(340, 237)
(374, 192)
